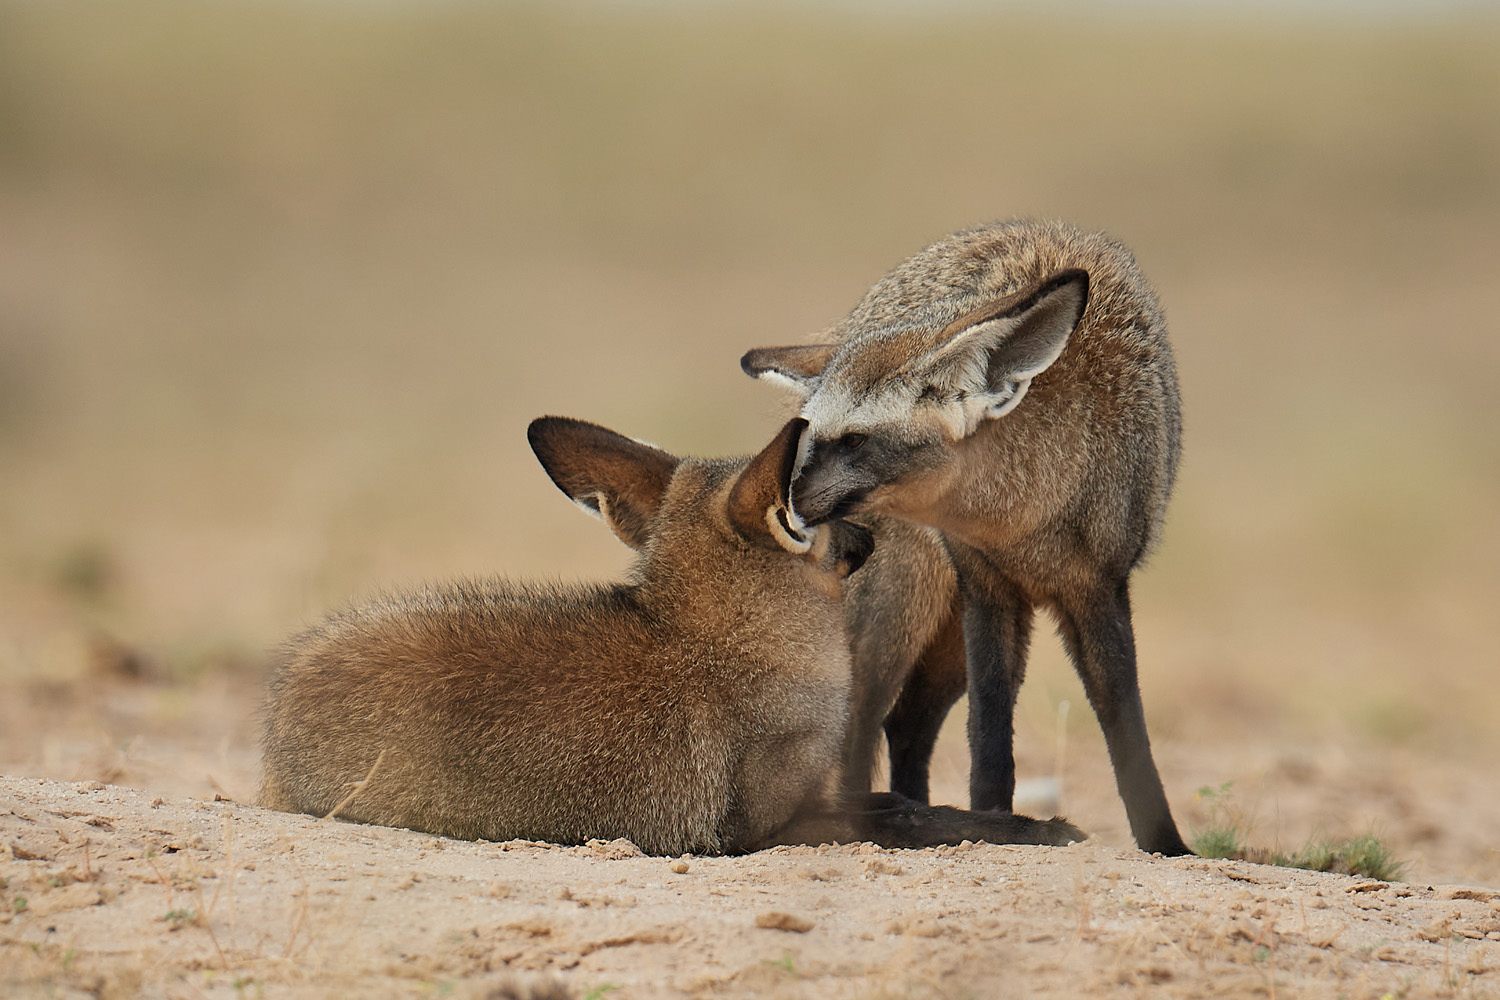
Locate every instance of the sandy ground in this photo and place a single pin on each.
(110, 891)
(283, 284)
(144, 871)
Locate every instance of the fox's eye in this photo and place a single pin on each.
(853, 441)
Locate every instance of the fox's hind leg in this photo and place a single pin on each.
(1099, 637)
(891, 820)
(911, 730)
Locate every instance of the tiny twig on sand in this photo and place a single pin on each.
(359, 786)
(207, 917)
(299, 918)
(161, 877)
(208, 926)
(1060, 750)
(230, 869)
(1447, 954)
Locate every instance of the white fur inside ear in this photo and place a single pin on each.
(795, 539)
(804, 450)
(784, 381)
(1008, 403)
(594, 505)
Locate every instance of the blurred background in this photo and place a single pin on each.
(281, 285)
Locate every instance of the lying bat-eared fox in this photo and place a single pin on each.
(1011, 387)
(699, 707)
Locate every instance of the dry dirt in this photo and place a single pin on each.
(111, 891)
(281, 285)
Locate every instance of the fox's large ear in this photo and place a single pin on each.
(615, 477)
(760, 502)
(995, 351)
(795, 368)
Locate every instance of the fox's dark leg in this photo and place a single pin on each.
(1097, 631)
(997, 632)
(892, 820)
(911, 730)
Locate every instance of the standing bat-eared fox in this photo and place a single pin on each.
(1005, 404)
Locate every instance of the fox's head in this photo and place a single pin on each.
(703, 516)
(887, 407)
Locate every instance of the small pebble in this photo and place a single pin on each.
(778, 921)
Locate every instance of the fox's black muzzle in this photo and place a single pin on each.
(829, 487)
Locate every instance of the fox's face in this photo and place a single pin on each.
(886, 409)
(712, 512)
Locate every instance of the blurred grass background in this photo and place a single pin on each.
(281, 285)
